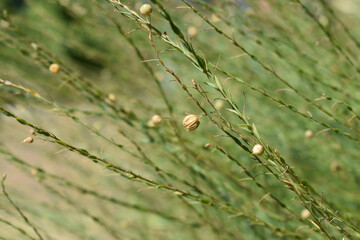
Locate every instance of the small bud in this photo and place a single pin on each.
(258, 150)
(156, 120)
(28, 140)
(54, 68)
(207, 145)
(194, 83)
(191, 122)
(309, 134)
(305, 214)
(145, 10)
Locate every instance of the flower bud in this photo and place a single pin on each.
(258, 150)
(191, 122)
(54, 68)
(145, 10)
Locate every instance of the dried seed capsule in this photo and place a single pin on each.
(207, 145)
(192, 31)
(111, 97)
(258, 150)
(309, 134)
(145, 10)
(54, 68)
(28, 140)
(305, 214)
(191, 122)
(156, 120)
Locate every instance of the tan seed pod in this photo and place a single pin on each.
(112, 97)
(305, 214)
(309, 134)
(192, 31)
(145, 10)
(28, 140)
(54, 68)
(258, 150)
(191, 122)
(156, 120)
(219, 104)
(207, 145)
(32, 131)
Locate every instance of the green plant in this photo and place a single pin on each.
(274, 83)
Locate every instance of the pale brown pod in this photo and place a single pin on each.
(54, 68)
(258, 150)
(191, 122)
(156, 120)
(145, 10)
(309, 134)
(28, 140)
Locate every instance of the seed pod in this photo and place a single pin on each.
(156, 120)
(111, 97)
(54, 68)
(305, 214)
(191, 122)
(28, 140)
(309, 134)
(258, 150)
(207, 145)
(192, 31)
(32, 131)
(145, 10)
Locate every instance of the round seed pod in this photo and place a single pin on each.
(192, 31)
(309, 134)
(191, 122)
(54, 68)
(305, 214)
(156, 120)
(258, 150)
(145, 10)
(112, 97)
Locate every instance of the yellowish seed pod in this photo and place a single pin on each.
(309, 134)
(28, 140)
(258, 150)
(112, 97)
(54, 68)
(191, 122)
(305, 214)
(145, 10)
(156, 120)
(192, 31)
